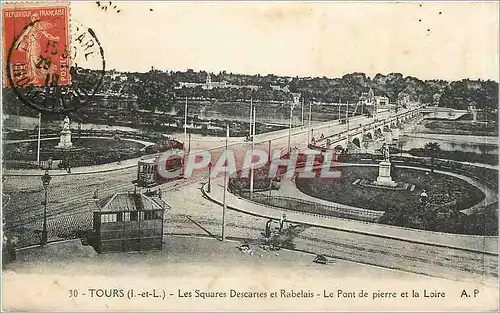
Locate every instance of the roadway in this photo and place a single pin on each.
(71, 194)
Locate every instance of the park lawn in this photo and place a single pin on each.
(85, 152)
(27, 150)
(447, 196)
(441, 188)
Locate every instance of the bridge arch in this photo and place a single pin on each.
(356, 142)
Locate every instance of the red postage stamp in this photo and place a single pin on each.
(36, 44)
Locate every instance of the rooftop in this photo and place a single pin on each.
(132, 201)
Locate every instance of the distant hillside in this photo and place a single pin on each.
(160, 89)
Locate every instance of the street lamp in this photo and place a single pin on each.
(209, 174)
(46, 181)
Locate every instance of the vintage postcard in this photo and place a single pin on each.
(250, 156)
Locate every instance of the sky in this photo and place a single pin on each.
(428, 40)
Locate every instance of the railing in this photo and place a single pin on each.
(365, 128)
(313, 208)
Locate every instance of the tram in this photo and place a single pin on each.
(147, 169)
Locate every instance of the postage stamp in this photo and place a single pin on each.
(36, 45)
(53, 64)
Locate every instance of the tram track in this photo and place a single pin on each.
(75, 204)
(71, 204)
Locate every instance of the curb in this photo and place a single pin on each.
(205, 194)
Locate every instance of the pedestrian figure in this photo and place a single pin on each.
(267, 232)
(282, 222)
(424, 198)
(11, 246)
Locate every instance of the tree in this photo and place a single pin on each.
(432, 150)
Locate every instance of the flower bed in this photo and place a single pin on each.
(447, 196)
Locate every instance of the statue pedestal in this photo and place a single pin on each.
(384, 175)
(65, 140)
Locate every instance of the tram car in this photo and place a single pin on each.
(147, 169)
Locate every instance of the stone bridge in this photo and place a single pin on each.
(357, 135)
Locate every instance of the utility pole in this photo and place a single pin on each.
(185, 122)
(302, 112)
(290, 127)
(269, 154)
(224, 206)
(347, 121)
(251, 162)
(309, 130)
(340, 104)
(250, 122)
(39, 139)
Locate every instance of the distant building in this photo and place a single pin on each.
(403, 99)
(371, 103)
(381, 100)
(209, 84)
(367, 98)
(296, 99)
(128, 222)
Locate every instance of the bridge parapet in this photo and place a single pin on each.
(359, 132)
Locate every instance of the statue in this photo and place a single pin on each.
(66, 123)
(385, 152)
(65, 136)
(384, 169)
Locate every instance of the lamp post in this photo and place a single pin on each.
(209, 174)
(46, 181)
